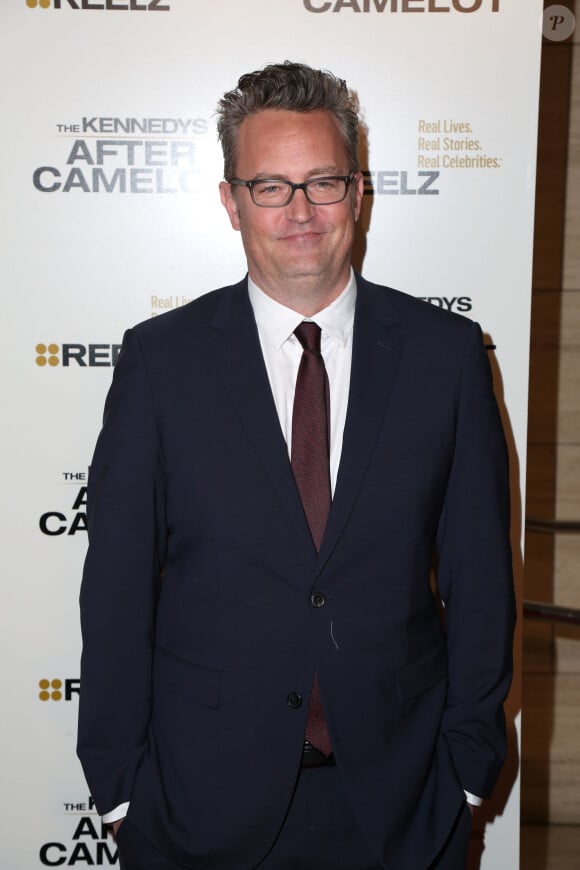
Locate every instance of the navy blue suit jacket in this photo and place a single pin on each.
(196, 613)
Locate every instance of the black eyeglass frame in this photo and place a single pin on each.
(348, 179)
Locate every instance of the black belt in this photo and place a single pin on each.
(313, 757)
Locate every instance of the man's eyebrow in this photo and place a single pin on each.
(323, 170)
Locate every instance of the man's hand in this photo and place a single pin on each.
(116, 825)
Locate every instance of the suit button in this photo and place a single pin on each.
(317, 599)
(294, 700)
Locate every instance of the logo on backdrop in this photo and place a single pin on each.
(72, 518)
(123, 155)
(89, 843)
(83, 355)
(558, 23)
(450, 303)
(102, 5)
(452, 144)
(400, 183)
(401, 5)
(160, 304)
(59, 690)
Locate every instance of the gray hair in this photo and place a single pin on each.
(294, 87)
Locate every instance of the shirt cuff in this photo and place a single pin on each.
(114, 815)
(473, 799)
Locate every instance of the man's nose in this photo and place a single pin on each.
(299, 208)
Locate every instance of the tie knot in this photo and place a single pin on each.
(308, 334)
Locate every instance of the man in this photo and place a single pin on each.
(280, 460)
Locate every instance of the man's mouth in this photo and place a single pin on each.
(303, 238)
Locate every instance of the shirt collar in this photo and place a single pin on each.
(277, 322)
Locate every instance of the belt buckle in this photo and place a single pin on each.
(313, 757)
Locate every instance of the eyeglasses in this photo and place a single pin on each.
(275, 193)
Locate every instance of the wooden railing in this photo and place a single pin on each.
(541, 609)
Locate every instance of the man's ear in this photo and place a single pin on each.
(230, 204)
(358, 185)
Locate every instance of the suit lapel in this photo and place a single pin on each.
(377, 345)
(238, 360)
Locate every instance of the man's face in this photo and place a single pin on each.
(298, 249)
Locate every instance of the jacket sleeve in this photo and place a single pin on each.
(121, 583)
(475, 579)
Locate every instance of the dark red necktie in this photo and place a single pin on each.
(311, 467)
(310, 432)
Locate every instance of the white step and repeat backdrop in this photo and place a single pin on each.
(110, 215)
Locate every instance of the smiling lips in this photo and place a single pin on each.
(302, 238)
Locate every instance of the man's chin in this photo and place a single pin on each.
(301, 275)
(304, 268)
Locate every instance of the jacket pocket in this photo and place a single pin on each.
(418, 676)
(190, 680)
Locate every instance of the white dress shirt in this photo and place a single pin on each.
(282, 354)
